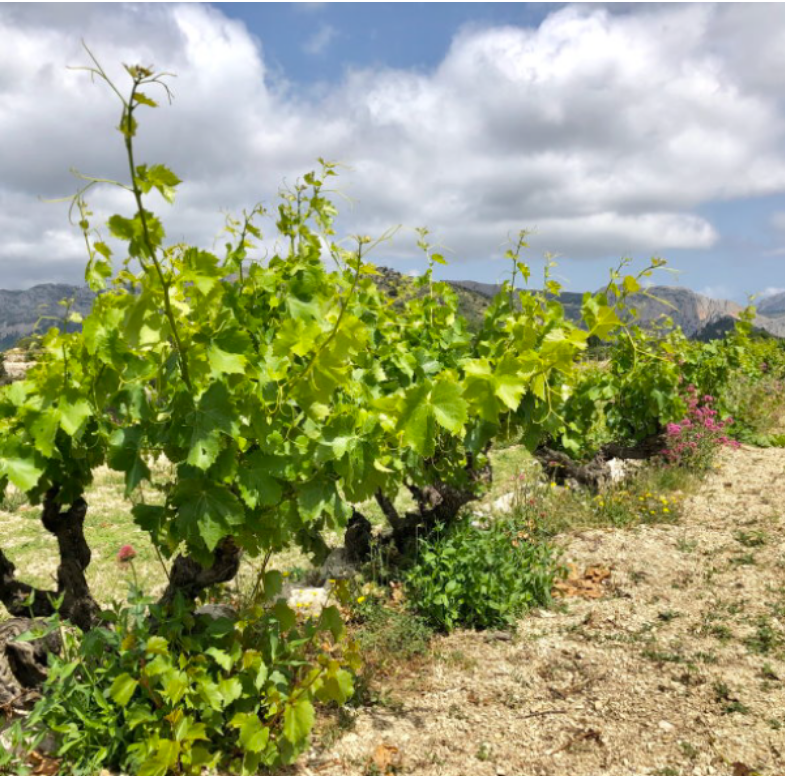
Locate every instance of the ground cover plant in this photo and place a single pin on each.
(481, 576)
(756, 407)
(650, 494)
(181, 692)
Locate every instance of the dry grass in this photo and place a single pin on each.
(107, 528)
(109, 525)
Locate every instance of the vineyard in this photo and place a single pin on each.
(226, 435)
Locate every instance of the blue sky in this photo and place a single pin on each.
(609, 130)
(313, 42)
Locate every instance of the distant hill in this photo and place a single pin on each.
(720, 327)
(699, 316)
(696, 314)
(692, 311)
(570, 299)
(472, 303)
(772, 306)
(20, 311)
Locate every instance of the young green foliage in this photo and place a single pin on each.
(194, 692)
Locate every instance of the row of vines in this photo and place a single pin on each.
(283, 394)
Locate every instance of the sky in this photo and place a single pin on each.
(609, 131)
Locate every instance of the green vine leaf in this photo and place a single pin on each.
(298, 720)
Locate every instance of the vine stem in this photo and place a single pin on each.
(260, 575)
(332, 335)
(241, 243)
(126, 121)
(161, 561)
(296, 695)
(128, 109)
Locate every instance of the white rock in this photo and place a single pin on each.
(217, 612)
(338, 566)
(309, 600)
(621, 469)
(504, 503)
(666, 727)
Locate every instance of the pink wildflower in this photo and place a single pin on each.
(126, 554)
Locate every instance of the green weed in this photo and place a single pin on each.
(481, 577)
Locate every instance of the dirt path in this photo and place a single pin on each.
(679, 669)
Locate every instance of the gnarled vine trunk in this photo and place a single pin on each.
(438, 503)
(78, 605)
(190, 578)
(596, 473)
(187, 577)
(22, 663)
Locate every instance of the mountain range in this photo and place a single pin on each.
(699, 316)
(22, 311)
(773, 305)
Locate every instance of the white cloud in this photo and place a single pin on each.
(717, 292)
(770, 291)
(604, 131)
(320, 40)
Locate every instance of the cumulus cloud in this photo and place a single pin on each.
(605, 132)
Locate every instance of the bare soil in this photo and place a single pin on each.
(678, 669)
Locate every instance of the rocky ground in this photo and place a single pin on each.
(16, 364)
(679, 668)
